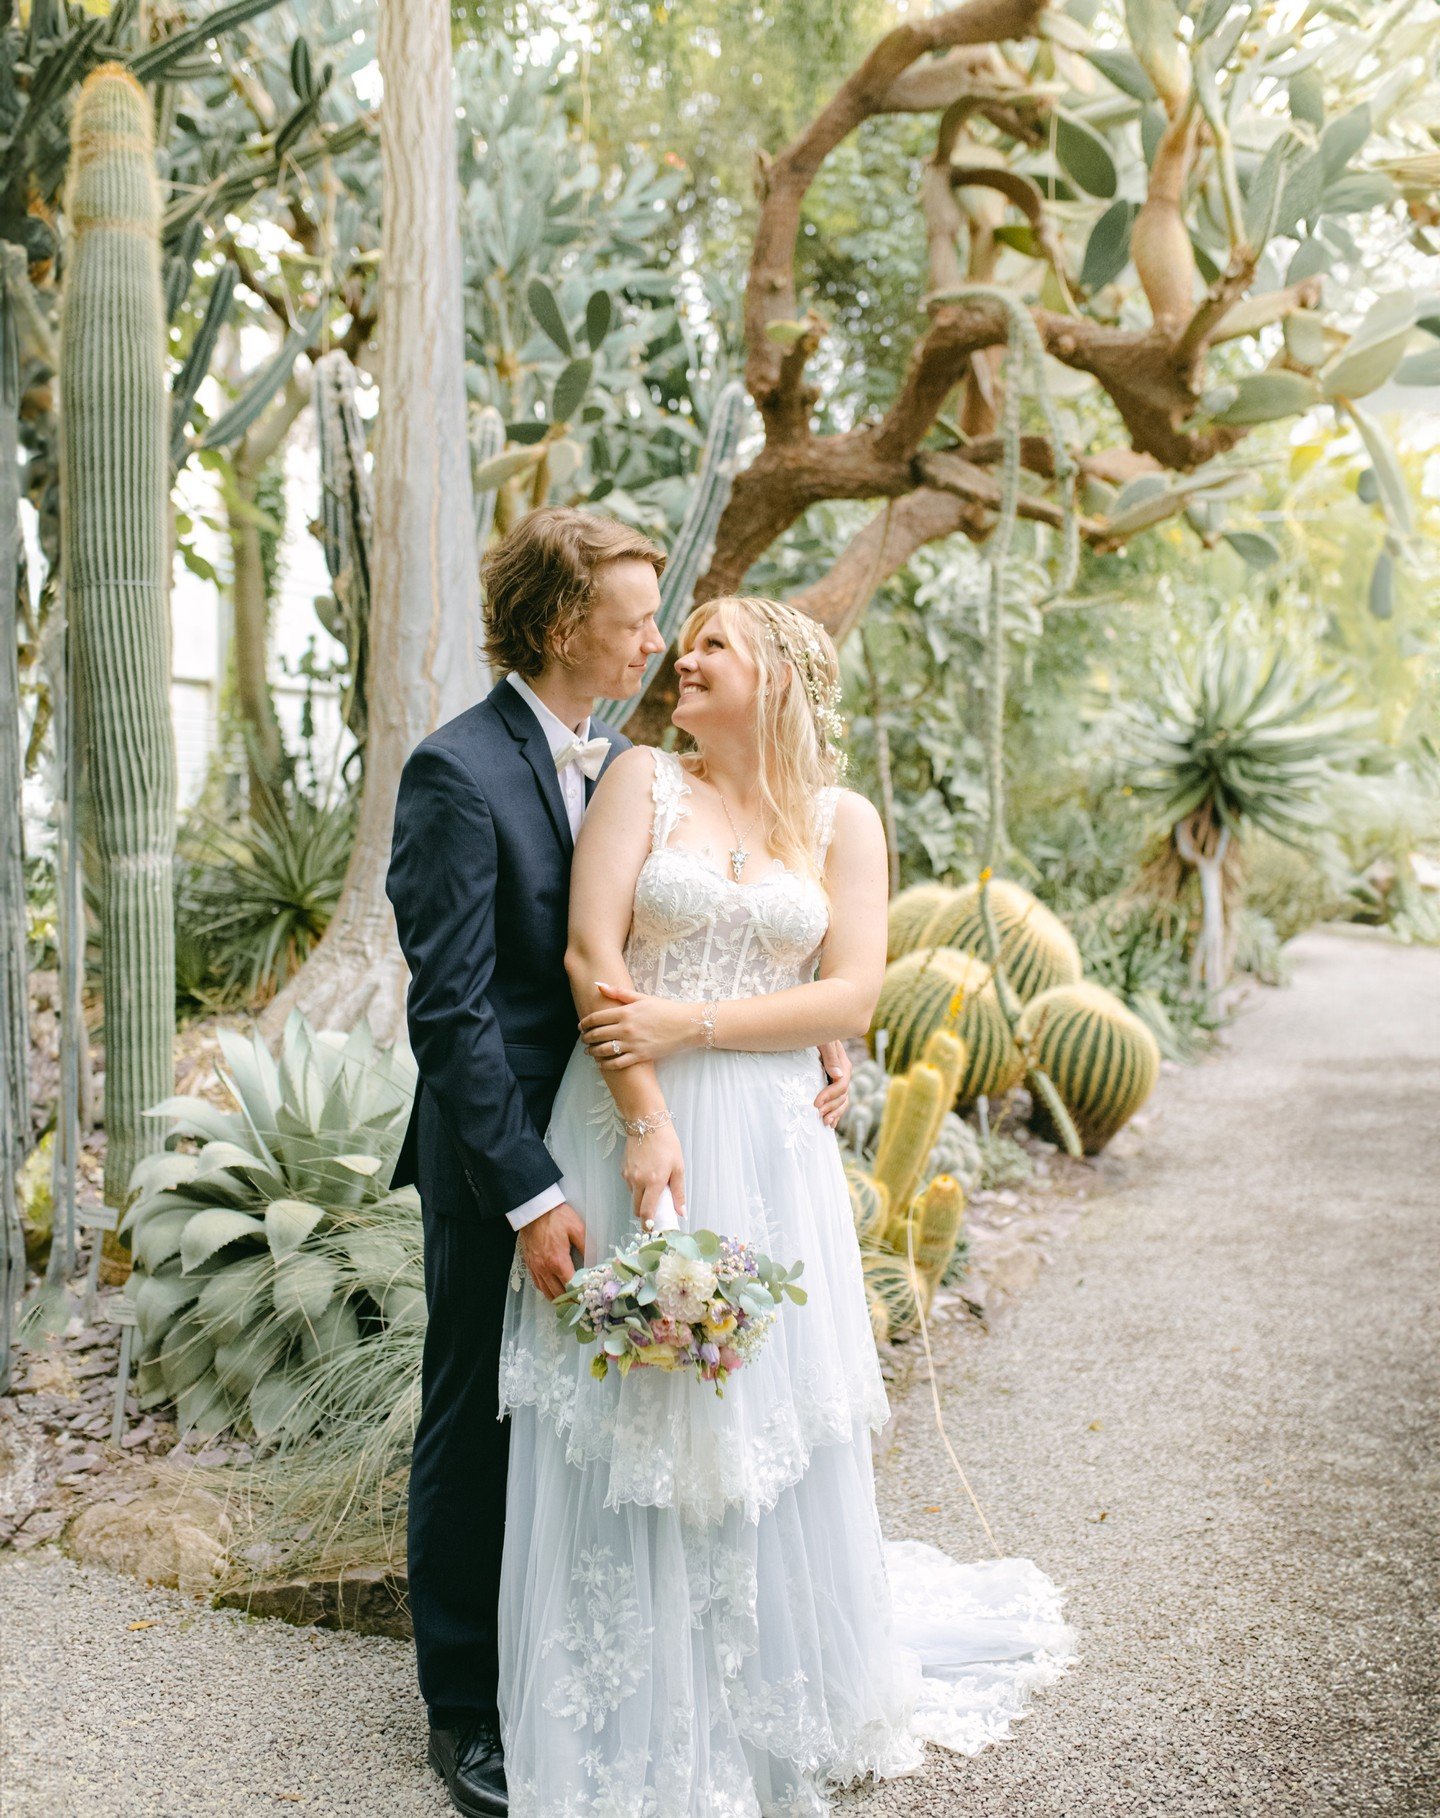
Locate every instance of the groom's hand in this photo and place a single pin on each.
(545, 1246)
(834, 1095)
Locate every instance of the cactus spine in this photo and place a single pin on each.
(691, 551)
(114, 486)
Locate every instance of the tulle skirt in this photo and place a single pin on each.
(696, 1619)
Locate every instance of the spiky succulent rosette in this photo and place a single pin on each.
(679, 1300)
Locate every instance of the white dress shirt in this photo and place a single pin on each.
(572, 787)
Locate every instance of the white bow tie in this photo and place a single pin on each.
(589, 754)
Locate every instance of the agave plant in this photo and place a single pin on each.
(1236, 740)
(270, 1245)
(256, 898)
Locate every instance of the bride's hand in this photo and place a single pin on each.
(632, 1028)
(652, 1163)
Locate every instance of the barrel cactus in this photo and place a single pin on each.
(911, 914)
(1102, 1059)
(896, 1291)
(114, 488)
(869, 1206)
(1036, 948)
(271, 1242)
(860, 1121)
(940, 988)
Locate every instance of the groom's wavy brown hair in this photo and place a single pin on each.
(538, 581)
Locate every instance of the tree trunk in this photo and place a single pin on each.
(425, 618)
(1208, 858)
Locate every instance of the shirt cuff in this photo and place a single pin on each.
(544, 1201)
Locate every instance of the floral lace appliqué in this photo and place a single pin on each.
(603, 1633)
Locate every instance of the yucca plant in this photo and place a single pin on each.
(1236, 740)
(271, 1249)
(254, 899)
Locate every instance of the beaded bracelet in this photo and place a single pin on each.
(706, 1021)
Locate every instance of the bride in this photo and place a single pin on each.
(696, 1619)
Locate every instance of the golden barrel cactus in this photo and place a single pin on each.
(940, 988)
(1102, 1059)
(1037, 950)
(910, 915)
(869, 1206)
(895, 1291)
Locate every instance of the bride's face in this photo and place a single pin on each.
(718, 685)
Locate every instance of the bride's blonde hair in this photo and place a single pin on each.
(796, 712)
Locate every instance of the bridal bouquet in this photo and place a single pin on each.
(680, 1300)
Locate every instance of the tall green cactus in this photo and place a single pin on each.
(115, 436)
(487, 438)
(347, 514)
(691, 552)
(14, 1046)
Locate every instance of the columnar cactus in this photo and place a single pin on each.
(913, 1111)
(347, 512)
(1102, 1059)
(114, 487)
(690, 553)
(937, 1216)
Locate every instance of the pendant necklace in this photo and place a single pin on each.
(739, 855)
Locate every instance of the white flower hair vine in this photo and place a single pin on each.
(806, 655)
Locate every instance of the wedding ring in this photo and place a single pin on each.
(614, 1047)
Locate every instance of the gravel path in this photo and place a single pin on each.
(1212, 1419)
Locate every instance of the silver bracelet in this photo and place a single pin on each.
(706, 1022)
(642, 1126)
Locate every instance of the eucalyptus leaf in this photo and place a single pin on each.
(1342, 138)
(1124, 69)
(1263, 397)
(546, 312)
(599, 312)
(1084, 156)
(1381, 599)
(1307, 98)
(1420, 368)
(1107, 251)
(1389, 477)
(1253, 547)
(570, 389)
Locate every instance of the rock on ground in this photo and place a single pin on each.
(1212, 1418)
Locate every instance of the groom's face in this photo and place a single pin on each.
(607, 656)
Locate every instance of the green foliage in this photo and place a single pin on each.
(254, 897)
(1140, 951)
(1292, 887)
(1103, 1060)
(275, 1243)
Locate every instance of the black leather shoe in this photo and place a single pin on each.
(471, 1762)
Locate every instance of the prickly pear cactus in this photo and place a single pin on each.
(114, 487)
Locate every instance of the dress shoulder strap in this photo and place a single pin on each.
(668, 791)
(824, 822)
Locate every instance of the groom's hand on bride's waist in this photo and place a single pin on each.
(545, 1246)
(834, 1095)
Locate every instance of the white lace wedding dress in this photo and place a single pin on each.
(698, 1618)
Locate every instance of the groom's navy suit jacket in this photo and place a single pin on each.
(480, 880)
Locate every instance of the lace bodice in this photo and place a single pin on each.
(696, 933)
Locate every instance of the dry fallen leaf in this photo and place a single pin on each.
(152, 1622)
(1094, 1426)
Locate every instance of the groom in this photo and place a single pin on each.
(485, 826)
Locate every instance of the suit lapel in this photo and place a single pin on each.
(530, 736)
